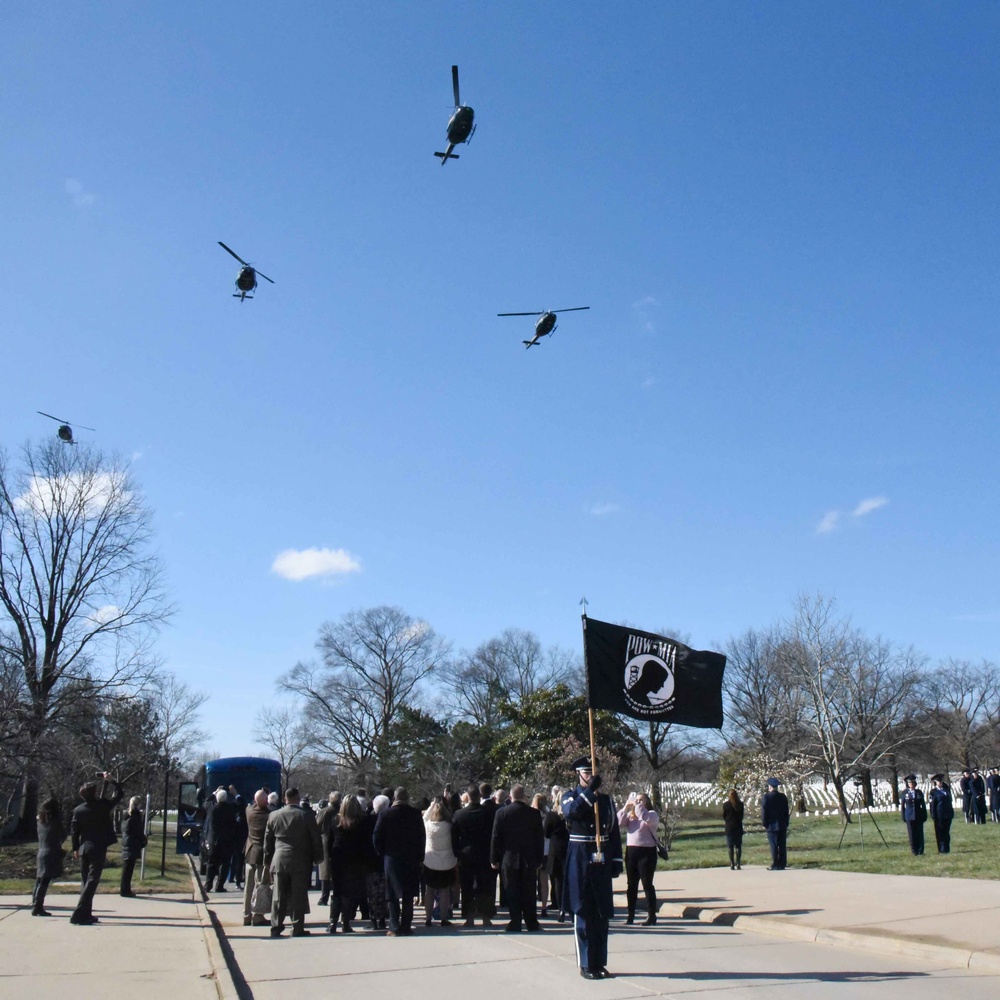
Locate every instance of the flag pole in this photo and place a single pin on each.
(590, 716)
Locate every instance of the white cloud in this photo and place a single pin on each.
(648, 382)
(301, 564)
(106, 614)
(81, 198)
(829, 522)
(867, 506)
(645, 310)
(602, 509)
(91, 492)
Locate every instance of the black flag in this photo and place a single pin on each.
(651, 677)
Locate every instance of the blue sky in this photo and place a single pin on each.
(785, 221)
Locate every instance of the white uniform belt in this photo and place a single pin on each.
(577, 839)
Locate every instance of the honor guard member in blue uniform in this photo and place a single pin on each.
(942, 812)
(590, 870)
(914, 810)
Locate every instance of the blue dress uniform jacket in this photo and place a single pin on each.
(587, 885)
(914, 810)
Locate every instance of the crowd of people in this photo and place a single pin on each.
(462, 858)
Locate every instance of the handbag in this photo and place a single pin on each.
(260, 901)
(661, 850)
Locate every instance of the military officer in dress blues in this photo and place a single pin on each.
(914, 810)
(942, 812)
(590, 869)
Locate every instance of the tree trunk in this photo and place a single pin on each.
(866, 785)
(838, 785)
(27, 818)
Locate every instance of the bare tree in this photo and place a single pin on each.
(373, 664)
(76, 576)
(857, 691)
(966, 702)
(504, 670)
(286, 736)
(763, 710)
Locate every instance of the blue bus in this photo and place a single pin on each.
(245, 774)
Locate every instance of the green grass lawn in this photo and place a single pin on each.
(17, 869)
(812, 843)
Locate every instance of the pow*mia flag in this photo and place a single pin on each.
(651, 677)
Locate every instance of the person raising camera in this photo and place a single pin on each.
(639, 822)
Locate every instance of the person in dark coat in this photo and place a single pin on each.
(554, 827)
(517, 850)
(92, 833)
(347, 862)
(965, 787)
(399, 840)
(472, 832)
(774, 817)
(490, 807)
(133, 842)
(942, 812)
(993, 791)
(732, 817)
(978, 796)
(222, 833)
(326, 820)
(239, 840)
(49, 865)
(914, 810)
(590, 871)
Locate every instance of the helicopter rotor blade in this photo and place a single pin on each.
(537, 312)
(454, 86)
(260, 274)
(236, 255)
(49, 415)
(80, 427)
(573, 310)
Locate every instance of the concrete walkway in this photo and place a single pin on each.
(951, 921)
(175, 946)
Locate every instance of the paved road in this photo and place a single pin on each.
(934, 938)
(676, 958)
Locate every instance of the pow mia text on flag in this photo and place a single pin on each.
(652, 677)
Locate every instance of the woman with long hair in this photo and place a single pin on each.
(440, 863)
(732, 816)
(639, 821)
(49, 865)
(133, 841)
(557, 838)
(541, 803)
(347, 863)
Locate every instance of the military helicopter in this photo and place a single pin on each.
(545, 324)
(460, 127)
(65, 432)
(246, 280)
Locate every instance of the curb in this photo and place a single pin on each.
(225, 971)
(893, 944)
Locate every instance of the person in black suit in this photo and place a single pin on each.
(472, 831)
(490, 807)
(914, 810)
(517, 850)
(222, 831)
(942, 812)
(978, 796)
(993, 789)
(774, 817)
(965, 787)
(92, 833)
(399, 839)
